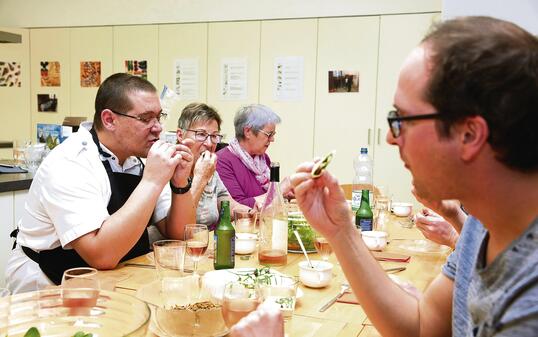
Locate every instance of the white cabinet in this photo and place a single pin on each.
(399, 34)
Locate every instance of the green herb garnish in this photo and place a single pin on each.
(285, 302)
(32, 332)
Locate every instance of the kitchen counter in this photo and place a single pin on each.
(15, 181)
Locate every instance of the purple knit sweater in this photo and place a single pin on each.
(238, 179)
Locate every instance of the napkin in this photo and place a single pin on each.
(348, 297)
(395, 257)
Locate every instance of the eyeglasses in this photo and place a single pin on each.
(145, 117)
(268, 134)
(395, 121)
(201, 136)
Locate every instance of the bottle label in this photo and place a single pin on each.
(365, 224)
(279, 238)
(224, 250)
(356, 199)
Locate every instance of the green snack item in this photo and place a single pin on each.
(32, 332)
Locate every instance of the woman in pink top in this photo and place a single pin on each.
(243, 166)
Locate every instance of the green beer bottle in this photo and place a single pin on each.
(224, 243)
(364, 218)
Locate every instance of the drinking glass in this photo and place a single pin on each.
(197, 238)
(245, 220)
(33, 155)
(80, 289)
(169, 256)
(283, 292)
(19, 146)
(239, 300)
(323, 247)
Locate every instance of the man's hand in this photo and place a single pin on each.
(435, 228)
(161, 163)
(321, 200)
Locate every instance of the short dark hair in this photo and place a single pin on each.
(113, 94)
(487, 67)
(195, 112)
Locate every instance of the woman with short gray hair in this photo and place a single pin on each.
(244, 165)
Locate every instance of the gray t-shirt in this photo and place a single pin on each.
(500, 299)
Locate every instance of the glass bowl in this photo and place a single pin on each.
(112, 314)
(296, 221)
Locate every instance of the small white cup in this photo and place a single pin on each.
(402, 209)
(245, 243)
(375, 240)
(318, 277)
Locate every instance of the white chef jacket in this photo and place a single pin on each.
(68, 198)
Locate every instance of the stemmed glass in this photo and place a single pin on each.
(239, 300)
(197, 238)
(80, 289)
(322, 246)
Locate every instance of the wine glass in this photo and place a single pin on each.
(239, 300)
(80, 289)
(322, 246)
(197, 238)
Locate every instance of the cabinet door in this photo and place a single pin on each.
(226, 41)
(6, 224)
(344, 121)
(89, 44)
(50, 45)
(185, 42)
(294, 138)
(137, 43)
(399, 34)
(15, 106)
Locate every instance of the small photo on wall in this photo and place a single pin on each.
(90, 74)
(10, 74)
(50, 73)
(343, 81)
(137, 68)
(47, 103)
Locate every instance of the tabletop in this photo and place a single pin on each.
(341, 319)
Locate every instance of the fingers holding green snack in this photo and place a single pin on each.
(318, 168)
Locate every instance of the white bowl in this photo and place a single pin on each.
(245, 243)
(402, 208)
(375, 240)
(318, 277)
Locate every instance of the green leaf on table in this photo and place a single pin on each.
(82, 334)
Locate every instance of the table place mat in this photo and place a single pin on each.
(349, 298)
(386, 256)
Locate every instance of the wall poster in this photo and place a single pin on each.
(137, 68)
(90, 74)
(186, 76)
(288, 78)
(10, 74)
(343, 81)
(47, 103)
(50, 73)
(233, 76)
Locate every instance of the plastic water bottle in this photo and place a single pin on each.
(363, 178)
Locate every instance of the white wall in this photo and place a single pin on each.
(72, 13)
(522, 12)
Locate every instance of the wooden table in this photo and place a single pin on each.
(341, 319)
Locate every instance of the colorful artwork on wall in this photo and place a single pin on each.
(50, 74)
(47, 103)
(90, 74)
(10, 74)
(137, 68)
(343, 81)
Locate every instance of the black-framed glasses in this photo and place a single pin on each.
(395, 121)
(201, 136)
(145, 117)
(268, 134)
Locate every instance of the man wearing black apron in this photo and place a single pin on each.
(92, 198)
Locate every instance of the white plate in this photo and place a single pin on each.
(215, 280)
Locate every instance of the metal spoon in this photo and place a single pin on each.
(302, 248)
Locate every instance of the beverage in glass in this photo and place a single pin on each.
(323, 247)
(196, 237)
(80, 289)
(283, 292)
(239, 300)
